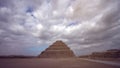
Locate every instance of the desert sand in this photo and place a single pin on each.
(51, 63)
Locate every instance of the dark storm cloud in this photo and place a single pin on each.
(5, 3)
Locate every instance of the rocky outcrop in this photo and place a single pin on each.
(57, 50)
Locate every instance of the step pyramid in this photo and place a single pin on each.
(57, 50)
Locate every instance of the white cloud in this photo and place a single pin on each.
(39, 26)
(80, 23)
(5, 10)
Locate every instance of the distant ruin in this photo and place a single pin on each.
(57, 50)
(112, 53)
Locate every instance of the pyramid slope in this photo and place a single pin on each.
(57, 50)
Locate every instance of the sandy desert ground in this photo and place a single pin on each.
(51, 63)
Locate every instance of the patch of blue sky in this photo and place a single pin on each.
(38, 48)
(29, 9)
(73, 23)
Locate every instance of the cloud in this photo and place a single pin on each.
(28, 27)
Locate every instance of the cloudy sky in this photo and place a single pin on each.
(27, 27)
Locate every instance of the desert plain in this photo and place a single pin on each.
(52, 63)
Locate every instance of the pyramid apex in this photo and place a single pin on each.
(59, 41)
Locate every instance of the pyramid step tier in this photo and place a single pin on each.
(57, 50)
